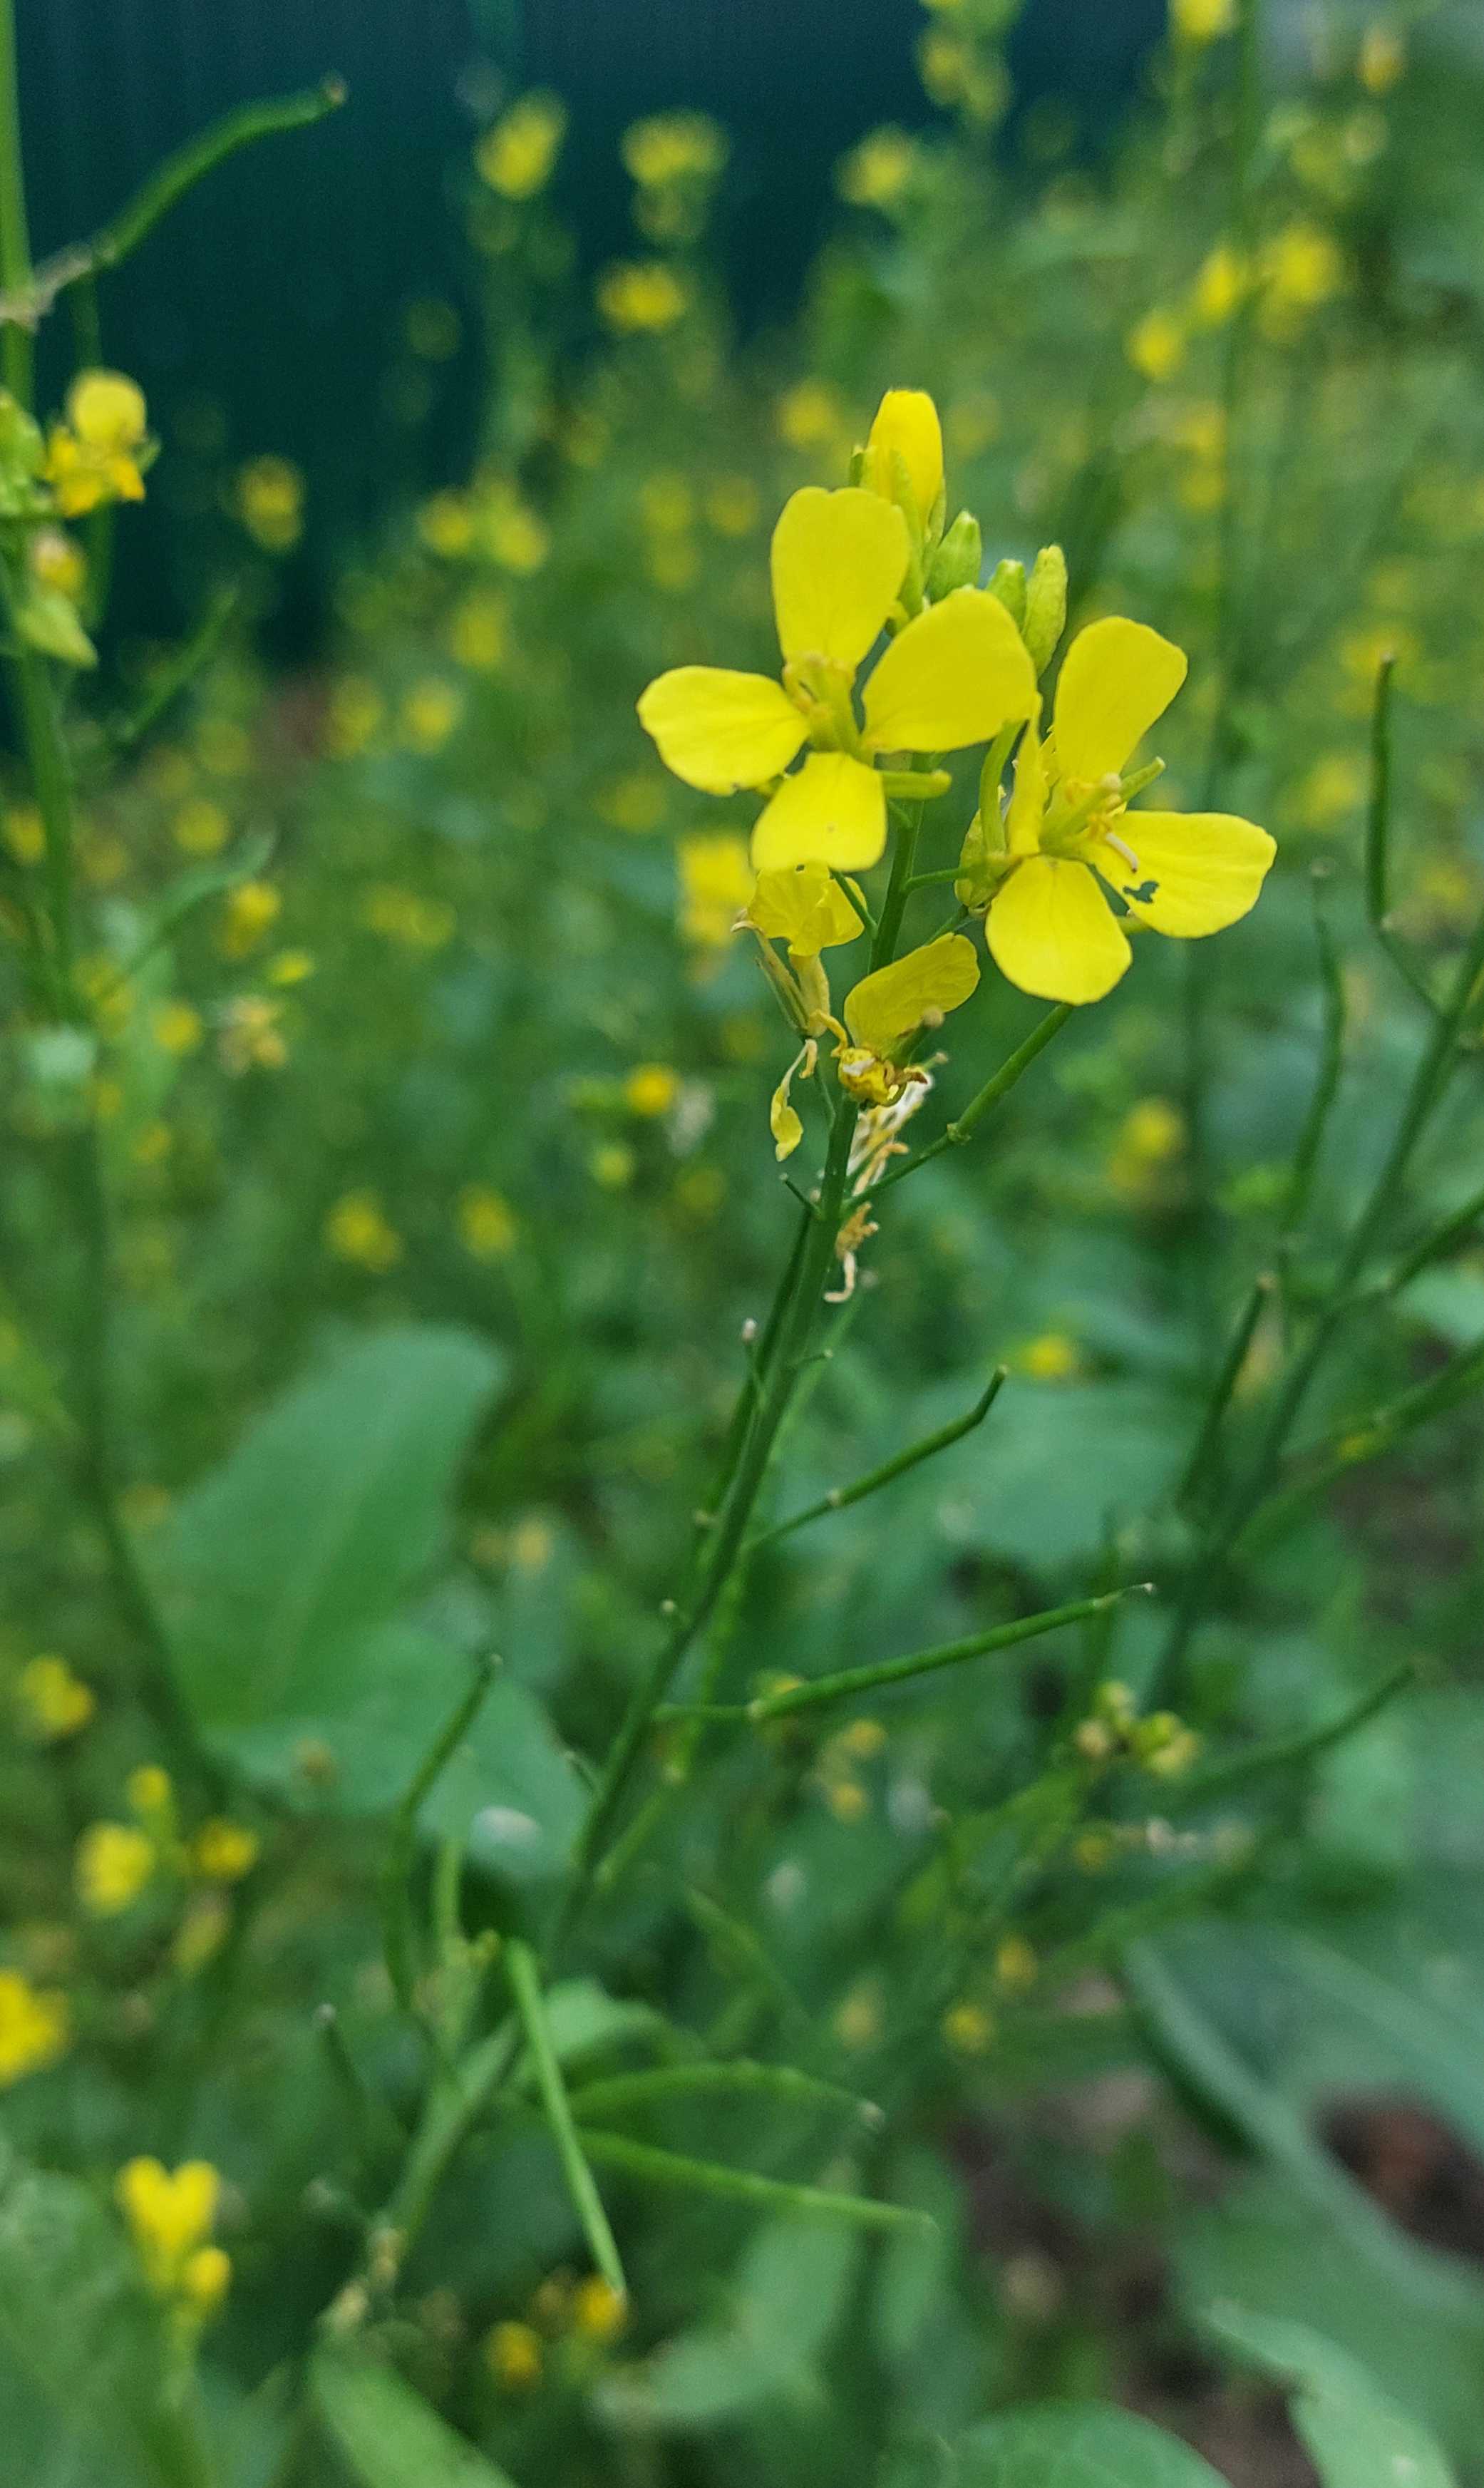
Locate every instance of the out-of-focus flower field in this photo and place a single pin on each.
(1066, 2067)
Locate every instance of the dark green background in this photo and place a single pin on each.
(279, 291)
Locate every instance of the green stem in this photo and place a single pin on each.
(1283, 1753)
(397, 1870)
(989, 1096)
(1378, 837)
(587, 2203)
(1225, 1384)
(841, 1497)
(624, 2092)
(1331, 1057)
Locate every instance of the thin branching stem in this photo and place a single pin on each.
(1378, 837)
(401, 1838)
(965, 1125)
(841, 1497)
(587, 2202)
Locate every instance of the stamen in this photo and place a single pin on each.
(1127, 852)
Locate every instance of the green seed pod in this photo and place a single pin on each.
(1045, 605)
(958, 559)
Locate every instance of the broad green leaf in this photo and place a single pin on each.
(789, 2292)
(1078, 2444)
(318, 1526)
(77, 2328)
(1357, 2435)
(387, 2433)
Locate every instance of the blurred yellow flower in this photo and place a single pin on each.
(113, 1863)
(611, 1164)
(98, 452)
(643, 297)
(635, 802)
(57, 562)
(969, 2029)
(1300, 269)
(247, 912)
(1383, 59)
(406, 917)
(250, 1037)
(811, 416)
(879, 171)
(1221, 282)
(54, 1703)
(651, 1089)
(673, 147)
(358, 1229)
(598, 2311)
(1068, 835)
(200, 828)
(224, 1852)
(715, 883)
(518, 157)
(1156, 346)
(1050, 1358)
(477, 633)
(486, 1223)
(513, 2356)
(170, 2215)
(733, 505)
(512, 533)
(290, 967)
(1202, 21)
(270, 502)
(428, 713)
(446, 525)
(25, 832)
(35, 2028)
(176, 1026)
(355, 710)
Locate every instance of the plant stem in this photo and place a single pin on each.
(989, 1096)
(16, 354)
(841, 1497)
(587, 2203)
(743, 2185)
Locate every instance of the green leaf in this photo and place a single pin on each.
(789, 2293)
(75, 2324)
(318, 1526)
(1358, 2436)
(387, 2433)
(1078, 2444)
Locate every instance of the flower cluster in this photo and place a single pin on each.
(170, 2214)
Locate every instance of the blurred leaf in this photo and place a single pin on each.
(1078, 2444)
(387, 2433)
(84, 2339)
(1358, 2436)
(790, 2291)
(318, 1525)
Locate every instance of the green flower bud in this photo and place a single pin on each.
(48, 621)
(958, 559)
(1045, 605)
(1009, 586)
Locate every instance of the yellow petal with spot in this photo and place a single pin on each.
(804, 907)
(1118, 677)
(1052, 932)
(886, 1009)
(1197, 871)
(838, 559)
(720, 730)
(906, 424)
(955, 675)
(832, 811)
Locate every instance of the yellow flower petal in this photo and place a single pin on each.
(720, 730)
(1118, 677)
(1027, 808)
(783, 1119)
(1197, 871)
(955, 675)
(833, 810)
(1052, 932)
(907, 423)
(837, 562)
(890, 1006)
(803, 907)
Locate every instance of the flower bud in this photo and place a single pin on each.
(1045, 605)
(1008, 584)
(958, 559)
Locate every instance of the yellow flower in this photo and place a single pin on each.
(1221, 282)
(715, 884)
(878, 172)
(249, 910)
(487, 1226)
(206, 2276)
(518, 155)
(251, 1037)
(1202, 21)
(290, 967)
(1383, 59)
(24, 832)
(732, 505)
(804, 906)
(643, 297)
(1156, 347)
(54, 559)
(358, 1229)
(200, 828)
(891, 1004)
(169, 2216)
(512, 533)
(114, 1863)
(55, 1703)
(35, 2028)
(430, 713)
(1068, 832)
(953, 676)
(810, 415)
(969, 2029)
(98, 452)
(671, 147)
(1300, 267)
(224, 1852)
(906, 445)
(446, 525)
(477, 633)
(270, 502)
(513, 2354)
(151, 1795)
(651, 1089)
(598, 2310)
(1050, 1358)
